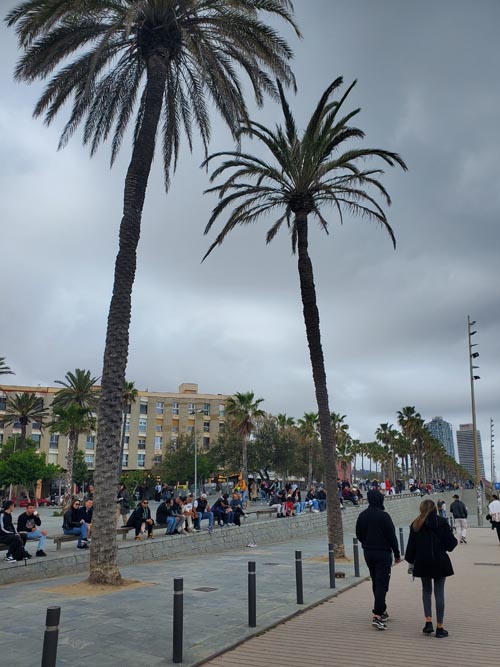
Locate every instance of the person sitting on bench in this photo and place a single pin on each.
(141, 520)
(73, 524)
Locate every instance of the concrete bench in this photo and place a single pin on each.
(122, 530)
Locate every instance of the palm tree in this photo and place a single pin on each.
(4, 369)
(408, 420)
(24, 409)
(307, 171)
(130, 394)
(345, 454)
(387, 436)
(243, 410)
(170, 61)
(79, 389)
(71, 420)
(308, 427)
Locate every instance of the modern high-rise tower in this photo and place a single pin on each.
(465, 444)
(443, 432)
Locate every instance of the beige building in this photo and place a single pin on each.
(152, 426)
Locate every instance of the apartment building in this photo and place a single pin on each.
(152, 425)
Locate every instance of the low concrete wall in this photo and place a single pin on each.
(264, 531)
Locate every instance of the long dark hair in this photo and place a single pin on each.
(427, 508)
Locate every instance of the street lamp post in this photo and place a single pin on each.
(472, 367)
(196, 412)
(492, 453)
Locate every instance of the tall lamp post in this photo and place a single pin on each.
(196, 412)
(492, 452)
(472, 367)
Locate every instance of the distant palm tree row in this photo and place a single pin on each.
(411, 452)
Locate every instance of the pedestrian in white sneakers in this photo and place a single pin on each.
(459, 513)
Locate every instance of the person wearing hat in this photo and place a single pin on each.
(459, 512)
(202, 509)
(377, 535)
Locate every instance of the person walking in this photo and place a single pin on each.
(494, 508)
(375, 530)
(430, 539)
(459, 512)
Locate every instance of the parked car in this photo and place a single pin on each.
(41, 502)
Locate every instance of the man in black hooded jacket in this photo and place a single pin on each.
(376, 532)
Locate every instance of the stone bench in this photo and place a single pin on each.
(122, 530)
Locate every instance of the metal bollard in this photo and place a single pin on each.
(252, 595)
(298, 577)
(178, 629)
(49, 653)
(331, 565)
(401, 543)
(356, 556)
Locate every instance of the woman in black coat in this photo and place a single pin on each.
(430, 538)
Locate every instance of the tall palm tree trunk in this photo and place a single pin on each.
(103, 568)
(244, 458)
(311, 320)
(310, 464)
(122, 442)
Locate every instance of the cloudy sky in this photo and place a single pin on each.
(394, 323)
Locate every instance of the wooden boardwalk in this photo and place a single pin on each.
(339, 632)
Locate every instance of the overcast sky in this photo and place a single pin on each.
(394, 323)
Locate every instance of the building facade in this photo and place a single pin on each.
(465, 444)
(153, 424)
(443, 432)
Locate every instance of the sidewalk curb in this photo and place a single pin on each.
(275, 624)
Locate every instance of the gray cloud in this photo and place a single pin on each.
(393, 322)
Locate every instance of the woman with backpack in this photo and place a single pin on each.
(430, 539)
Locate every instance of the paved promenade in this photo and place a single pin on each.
(338, 632)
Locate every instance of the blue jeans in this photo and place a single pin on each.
(322, 505)
(205, 515)
(81, 531)
(171, 523)
(37, 535)
(300, 507)
(244, 496)
(228, 518)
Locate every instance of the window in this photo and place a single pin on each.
(141, 460)
(158, 442)
(159, 408)
(175, 408)
(191, 409)
(54, 441)
(157, 460)
(89, 460)
(3, 402)
(141, 443)
(173, 443)
(16, 425)
(89, 443)
(190, 429)
(125, 461)
(36, 437)
(222, 427)
(158, 428)
(129, 408)
(175, 428)
(143, 425)
(36, 426)
(206, 409)
(206, 427)
(126, 442)
(206, 443)
(221, 410)
(127, 425)
(143, 409)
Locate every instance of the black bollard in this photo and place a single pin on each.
(356, 556)
(401, 543)
(49, 653)
(178, 629)
(298, 577)
(252, 595)
(331, 565)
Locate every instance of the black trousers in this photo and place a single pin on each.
(379, 563)
(14, 541)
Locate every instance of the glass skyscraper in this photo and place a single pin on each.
(443, 432)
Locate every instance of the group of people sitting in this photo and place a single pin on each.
(184, 515)
(28, 528)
